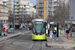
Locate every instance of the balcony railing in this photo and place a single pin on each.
(16, 14)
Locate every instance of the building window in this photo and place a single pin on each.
(20, 2)
(4, 3)
(55, 4)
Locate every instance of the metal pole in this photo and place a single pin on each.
(44, 8)
(64, 15)
(14, 17)
(26, 21)
(22, 18)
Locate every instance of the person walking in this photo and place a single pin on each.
(46, 31)
(54, 34)
(4, 30)
(51, 33)
(67, 33)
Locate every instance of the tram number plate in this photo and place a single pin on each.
(38, 34)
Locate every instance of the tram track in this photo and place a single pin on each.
(27, 44)
(37, 44)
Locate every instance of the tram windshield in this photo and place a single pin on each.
(38, 27)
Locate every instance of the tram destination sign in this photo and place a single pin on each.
(38, 22)
(72, 10)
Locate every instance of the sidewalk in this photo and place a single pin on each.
(62, 42)
(12, 35)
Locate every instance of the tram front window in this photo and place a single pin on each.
(38, 28)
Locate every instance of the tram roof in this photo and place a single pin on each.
(39, 20)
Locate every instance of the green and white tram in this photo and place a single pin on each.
(39, 29)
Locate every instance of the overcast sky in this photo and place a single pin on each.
(32, 1)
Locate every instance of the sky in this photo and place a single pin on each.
(32, 1)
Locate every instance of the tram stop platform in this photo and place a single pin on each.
(62, 42)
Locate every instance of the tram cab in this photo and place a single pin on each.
(39, 29)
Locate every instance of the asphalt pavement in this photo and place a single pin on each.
(24, 42)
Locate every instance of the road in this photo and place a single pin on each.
(24, 42)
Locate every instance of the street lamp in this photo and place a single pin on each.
(22, 18)
(64, 15)
(14, 17)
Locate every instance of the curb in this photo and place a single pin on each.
(5, 38)
(61, 47)
(58, 46)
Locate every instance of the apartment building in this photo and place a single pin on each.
(4, 14)
(18, 12)
(32, 11)
(51, 6)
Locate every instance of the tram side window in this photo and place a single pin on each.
(33, 28)
(44, 26)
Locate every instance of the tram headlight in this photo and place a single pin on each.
(41, 33)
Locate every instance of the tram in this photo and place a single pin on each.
(39, 29)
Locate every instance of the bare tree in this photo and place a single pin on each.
(61, 13)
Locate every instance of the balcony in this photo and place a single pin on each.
(16, 13)
(16, 10)
(41, 1)
(16, 7)
(17, 4)
(17, 0)
(42, 14)
(49, 9)
(16, 17)
(40, 9)
(16, 23)
(26, 10)
(50, 5)
(26, 7)
(41, 5)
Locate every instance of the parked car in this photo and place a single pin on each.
(30, 27)
(73, 29)
(10, 30)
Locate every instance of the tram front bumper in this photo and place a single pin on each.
(39, 37)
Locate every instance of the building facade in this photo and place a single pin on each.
(18, 12)
(4, 14)
(51, 6)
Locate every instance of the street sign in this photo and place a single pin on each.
(72, 9)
